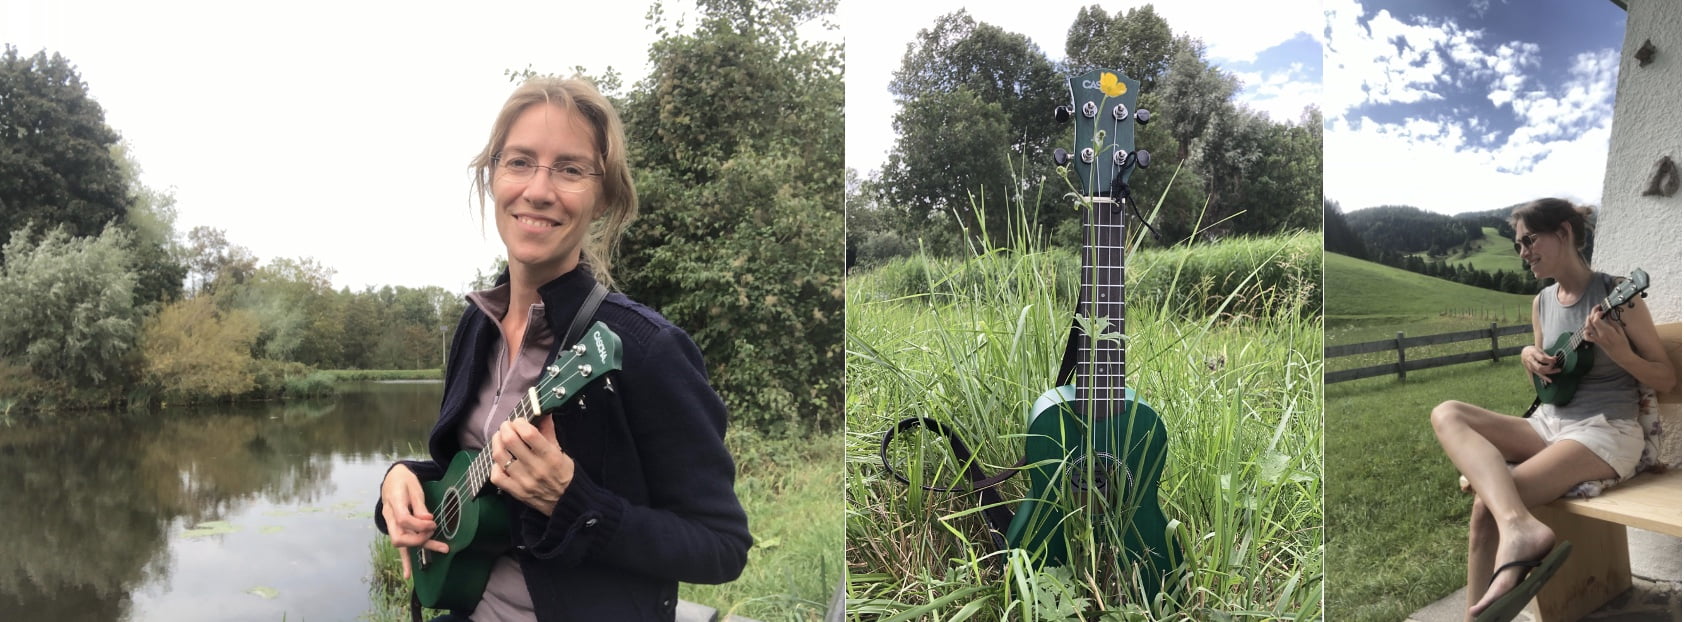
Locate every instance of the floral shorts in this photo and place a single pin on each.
(1618, 442)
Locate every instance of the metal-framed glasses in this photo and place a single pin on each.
(565, 176)
(1525, 242)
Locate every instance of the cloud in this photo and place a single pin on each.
(1433, 114)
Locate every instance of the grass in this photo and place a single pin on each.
(1493, 253)
(1367, 293)
(360, 375)
(1239, 394)
(790, 489)
(1396, 523)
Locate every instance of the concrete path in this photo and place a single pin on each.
(1653, 597)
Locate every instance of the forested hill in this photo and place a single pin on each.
(1404, 230)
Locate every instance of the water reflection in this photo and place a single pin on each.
(243, 512)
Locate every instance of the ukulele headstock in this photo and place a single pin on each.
(1103, 107)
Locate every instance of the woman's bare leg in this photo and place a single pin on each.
(1480, 442)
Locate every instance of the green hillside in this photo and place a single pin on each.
(1494, 253)
(1366, 293)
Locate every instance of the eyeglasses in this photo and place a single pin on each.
(1525, 242)
(565, 176)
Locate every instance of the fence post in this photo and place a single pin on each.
(1400, 359)
(1493, 341)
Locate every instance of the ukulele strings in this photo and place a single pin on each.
(478, 473)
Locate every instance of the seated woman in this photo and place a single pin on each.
(626, 490)
(1593, 436)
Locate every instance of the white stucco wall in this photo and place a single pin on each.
(1636, 231)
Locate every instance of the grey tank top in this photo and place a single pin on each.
(1607, 389)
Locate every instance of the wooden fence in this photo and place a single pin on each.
(1402, 344)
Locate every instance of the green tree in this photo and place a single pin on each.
(1139, 43)
(213, 263)
(1194, 93)
(191, 348)
(56, 164)
(737, 139)
(975, 127)
(67, 307)
(159, 259)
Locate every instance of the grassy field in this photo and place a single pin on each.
(1396, 524)
(1362, 293)
(791, 489)
(1239, 396)
(1495, 253)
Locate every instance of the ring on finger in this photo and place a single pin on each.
(511, 462)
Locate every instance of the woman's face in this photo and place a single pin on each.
(543, 227)
(1544, 252)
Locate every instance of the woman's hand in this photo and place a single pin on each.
(408, 522)
(1539, 363)
(530, 464)
(1607, 332)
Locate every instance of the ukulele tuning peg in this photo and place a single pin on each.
(1062, 114)
(1087, 155)
(1090, 109)
(585, 371)
(1143, 158)
(1119, 112)
(1141, 116)
(1061, 157)
(1121, 158)
(578, 349)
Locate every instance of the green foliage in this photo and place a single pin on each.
(1240, 278)
(57, 166)
(973, 125)
(1241, 402)
(1339, 238)
(1138, 42)
(192, 350)
(737, 140)
(67, 307)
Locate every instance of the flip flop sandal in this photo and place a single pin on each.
(1510, 604)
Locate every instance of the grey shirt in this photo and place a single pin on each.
(506, 596)
(1607, 389)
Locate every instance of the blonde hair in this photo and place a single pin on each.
(619, 197)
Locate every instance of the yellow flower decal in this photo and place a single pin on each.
(1111, 86)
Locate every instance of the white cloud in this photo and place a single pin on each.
(1452, 158)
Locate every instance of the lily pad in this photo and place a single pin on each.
(210, 528)
(263, 591)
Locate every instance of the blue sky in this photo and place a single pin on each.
(1273, 47)
(1456, 106)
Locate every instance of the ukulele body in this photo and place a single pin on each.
(1128, 450)
(1575, 363)
(478, 536)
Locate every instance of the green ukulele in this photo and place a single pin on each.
(1094, 447)
(476, 524)
(1573, 354)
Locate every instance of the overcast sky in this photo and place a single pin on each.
(1273, 47)
(329, 129)
(1456, 106)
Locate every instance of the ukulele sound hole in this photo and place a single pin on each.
(1106, 471)
(449, 514)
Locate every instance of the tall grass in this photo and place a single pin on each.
(1239, 394)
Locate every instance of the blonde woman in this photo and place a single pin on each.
(614, 502)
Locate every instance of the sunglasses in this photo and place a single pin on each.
(1525, 241)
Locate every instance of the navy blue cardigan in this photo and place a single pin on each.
(651, 502)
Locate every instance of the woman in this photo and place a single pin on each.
(1594, 436)
(626, 491)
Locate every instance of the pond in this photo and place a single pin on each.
(242, 512)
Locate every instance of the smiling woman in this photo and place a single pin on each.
(598, 516)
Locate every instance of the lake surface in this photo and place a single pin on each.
(243, 512)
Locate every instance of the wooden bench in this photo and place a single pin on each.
(1600, 567)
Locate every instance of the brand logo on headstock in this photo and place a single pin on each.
(601, 350)
(1108, 83)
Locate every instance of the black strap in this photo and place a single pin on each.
(414, 604)
(993, 506)
(582, 319)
